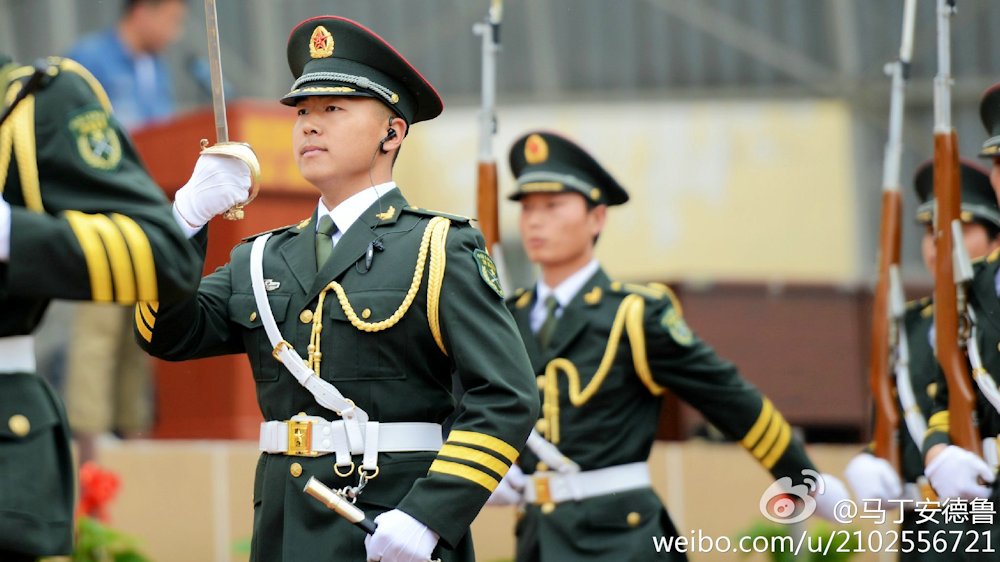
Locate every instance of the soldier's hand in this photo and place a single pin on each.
(218, 183)
(834, 493)
(400, 538)
(957, 473)
(873, 478)
(511, 488)
(4, 231)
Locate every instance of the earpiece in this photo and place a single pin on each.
(389, 134)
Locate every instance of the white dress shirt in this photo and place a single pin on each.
(564, 293)
(345, 214)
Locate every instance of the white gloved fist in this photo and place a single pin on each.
(4, 230)
(511, 488)
(834, 493)
(873, 478)
(218, 183)
(400, 538)
(955, 473)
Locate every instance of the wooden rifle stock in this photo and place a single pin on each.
(881, 377)
(949, 321)
(487, 207)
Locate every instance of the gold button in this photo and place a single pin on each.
(998, 346)
(548, 508)
(540, 380)
(541, 467)
(19, 425)
(306, 316)
(366, 313)
(541, 426)
(633, 519)
(253, 316)
(295, 469)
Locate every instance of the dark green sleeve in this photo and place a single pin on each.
(690, 368)
(195, 327)
(94, 226)
(500, 401)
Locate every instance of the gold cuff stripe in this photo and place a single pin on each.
(117, 251)
(466, 472)
(485, 441)
(94, 254)
(779, 448)
(140, 324)
(142, 257)
(475, 456)
(752, 436)
(143, 312)
(770, 437)
(939, 422)
(152, 307)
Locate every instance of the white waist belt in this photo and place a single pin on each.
(17, 354)
(312, 436)
(555, 487)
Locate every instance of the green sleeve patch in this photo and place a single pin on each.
(96, 140)
(674, 324)
(488, 271)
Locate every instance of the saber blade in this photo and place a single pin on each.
(215, 68)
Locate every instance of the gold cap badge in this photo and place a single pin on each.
(536, 150)
(321, 43)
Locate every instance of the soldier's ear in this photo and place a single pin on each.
(596, 217)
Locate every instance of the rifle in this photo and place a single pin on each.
(487, 204)
(952, 268)
(888, 305)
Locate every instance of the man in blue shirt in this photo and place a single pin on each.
(126, 59)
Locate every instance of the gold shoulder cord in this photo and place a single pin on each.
(22, 122)
(433, 242)
(630, 318)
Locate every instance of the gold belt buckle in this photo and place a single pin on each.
(543, 492)
(300, 438)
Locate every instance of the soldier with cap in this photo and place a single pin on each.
(357, 321)
(80, 219)
(871, 477)
(953, 471)
(604, 352)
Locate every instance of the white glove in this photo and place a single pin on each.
(955, 473)
(400, 538)
(4, 230)
(511, 488)
(218, 183)
(873, 478)
(834, 493)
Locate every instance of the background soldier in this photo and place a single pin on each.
(955, 472)
(347, 286)
(605, 352)
(871, 477)
(80, 219)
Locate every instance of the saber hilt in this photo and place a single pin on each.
(338, 504)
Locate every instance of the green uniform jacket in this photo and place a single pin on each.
(984, 302)
(396, 375)
(87, 223)
(617, 422)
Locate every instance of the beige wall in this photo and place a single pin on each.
(190, 501)
(729, 190)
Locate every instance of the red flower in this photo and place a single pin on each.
(97, 488)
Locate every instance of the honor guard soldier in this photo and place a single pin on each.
(357, 321)
(871, 477)
(80, 219)
(604, 353)
(953, 471)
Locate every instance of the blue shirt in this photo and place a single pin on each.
(138, 85)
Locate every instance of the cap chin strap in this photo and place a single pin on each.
(360, 81)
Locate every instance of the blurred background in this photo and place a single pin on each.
(749, 134)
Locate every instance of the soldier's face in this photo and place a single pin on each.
(975, 236)
(557, 228)
(336, 139)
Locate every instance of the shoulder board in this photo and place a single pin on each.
(918, 303)
(299, 225)
(520, 298)
(651, 291)
(994, 256)
(430, 213)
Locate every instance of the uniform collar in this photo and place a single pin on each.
(568, 289)
(347, 213)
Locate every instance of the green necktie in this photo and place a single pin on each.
(324, 242)
(548, 327)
